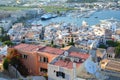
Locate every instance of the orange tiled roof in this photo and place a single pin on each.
(66, 64)
(80, 55)
(29, 47)
(51, 50)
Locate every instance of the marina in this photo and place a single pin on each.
(92, 18)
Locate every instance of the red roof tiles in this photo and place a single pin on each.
(51, 50)
(66, 64)
(29, 47)
(26, 47)
(80, 55)
(69, 64)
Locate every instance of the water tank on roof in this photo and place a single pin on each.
(66, 53)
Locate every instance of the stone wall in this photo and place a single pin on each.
(13, 72)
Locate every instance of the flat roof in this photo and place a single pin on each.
(113, 65)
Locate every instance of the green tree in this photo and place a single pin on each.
(5, 38)
(52, 42)
(12, 53)
(9, 43)
(20, 66)
(6, 63)
(72, 42)
(14, 58)
(102, 46)
(117, 51)
(111, 43)
(2, 30)
(63, 45)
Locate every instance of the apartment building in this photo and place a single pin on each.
(67, 66)
(36, 58)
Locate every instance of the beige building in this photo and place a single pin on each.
(110, 67)
(100, 54)
(68, 38)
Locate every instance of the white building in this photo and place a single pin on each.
(67, 66)
(6, 24)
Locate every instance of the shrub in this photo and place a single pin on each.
(6, 63)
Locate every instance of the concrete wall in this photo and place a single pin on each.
(13, 72)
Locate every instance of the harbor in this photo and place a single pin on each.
(93, 17)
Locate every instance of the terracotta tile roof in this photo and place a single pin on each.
(51, 50)
(20, 46)
(30, 47)
(66, 64)
(27, 47)
(80, 55)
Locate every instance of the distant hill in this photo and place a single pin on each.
(82, 1)
(89, 1)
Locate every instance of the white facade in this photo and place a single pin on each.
(6, 24)
(52, 69)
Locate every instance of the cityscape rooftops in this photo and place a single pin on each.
(51, 50)
(110, 65)
(72, 57)
(79, 55)
(27, 47)
(37, 48)
(66, 64)
(110, 50)
(100, 52)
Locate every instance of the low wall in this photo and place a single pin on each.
(13, 72)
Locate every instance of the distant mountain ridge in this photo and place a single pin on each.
(89, 0)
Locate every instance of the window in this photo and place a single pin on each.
(43, 59)
(65, 41)
(60, 74)
(24, 56)
(43, 70)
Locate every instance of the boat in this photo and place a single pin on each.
(48, 16)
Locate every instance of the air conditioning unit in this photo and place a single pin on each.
(76, 59)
